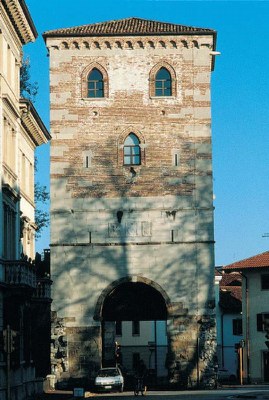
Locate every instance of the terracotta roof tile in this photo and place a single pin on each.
(258, 261)
(128, 26)
(231, 298)
(231, 279)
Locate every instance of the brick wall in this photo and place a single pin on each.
(165, 232)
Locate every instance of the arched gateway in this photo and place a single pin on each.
(133, 314)
(132, 243)
(132, 296)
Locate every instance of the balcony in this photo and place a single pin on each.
(22, 274)
(43, 289)
(18, 273)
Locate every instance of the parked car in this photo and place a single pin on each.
(109, 379)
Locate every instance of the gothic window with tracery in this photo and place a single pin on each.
(131, 150)
(95, 84)
(163, 83)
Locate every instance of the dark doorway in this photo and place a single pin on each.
(266, 366)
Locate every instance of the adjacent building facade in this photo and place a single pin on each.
(255, 314)
(229, 324)
(131, 193)
(22, 293)
(146, 340)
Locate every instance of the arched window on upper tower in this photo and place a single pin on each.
(95, 84)
(163, 83)
(131, 150)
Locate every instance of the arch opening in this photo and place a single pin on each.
(134, 328)
(134, 301)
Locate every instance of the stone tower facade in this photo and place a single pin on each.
(131, 191)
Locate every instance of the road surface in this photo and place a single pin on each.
(220, 394)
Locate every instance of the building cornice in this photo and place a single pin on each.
(10, 192)
(33, 124)
(11, 105)
(21, 20)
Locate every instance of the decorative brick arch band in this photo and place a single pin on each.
(84, 79)
(152, 76)
(135, 279)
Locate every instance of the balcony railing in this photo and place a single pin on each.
(43, 290)
(22, 274)
(18, 273)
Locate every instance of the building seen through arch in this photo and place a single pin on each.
(132, 243)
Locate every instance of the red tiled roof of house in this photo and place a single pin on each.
(128, 26)
(258, 261)
(231, 279)
(230, 298)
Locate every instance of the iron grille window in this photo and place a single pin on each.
(265, 282)
(118, 328)
(9, 234)
(136, 328)
(262, 321)
(163, 82)
(95, 84)
(131, 150)
(237, 326)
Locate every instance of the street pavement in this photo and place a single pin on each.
(225, 393)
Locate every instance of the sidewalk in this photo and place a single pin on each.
(60, 395)
(68, 394)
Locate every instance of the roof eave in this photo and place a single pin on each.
(239, 269)
(22, 21)
(80, 34)
(33, 123)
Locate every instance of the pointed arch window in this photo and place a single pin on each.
(95, 84)
(163, 83)
(131, 150)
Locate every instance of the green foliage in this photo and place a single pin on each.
(41, 215)
(28, 89)
(41, 193)
(41, 200)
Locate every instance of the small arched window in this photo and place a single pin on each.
(163, 83)
(131, 150)
(95, 83)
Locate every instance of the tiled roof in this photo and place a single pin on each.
(230, 298)
(258, 261)
(231, 279)
(128, 26)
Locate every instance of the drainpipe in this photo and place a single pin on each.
(222, 342)
(155, 355)
(247, 327)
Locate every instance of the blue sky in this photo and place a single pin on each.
(240, 103)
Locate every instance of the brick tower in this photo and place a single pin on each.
(131, 192)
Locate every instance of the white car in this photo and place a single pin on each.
(109, 379)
